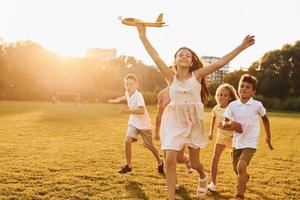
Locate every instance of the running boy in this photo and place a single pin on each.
(246, 111)
(138, 123)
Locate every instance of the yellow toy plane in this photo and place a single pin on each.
(136, 22)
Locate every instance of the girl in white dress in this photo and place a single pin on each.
(182, 120)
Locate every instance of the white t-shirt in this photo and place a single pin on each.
(141, 122)
(247, 114)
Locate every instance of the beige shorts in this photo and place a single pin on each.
(226, 142)
(146, 135)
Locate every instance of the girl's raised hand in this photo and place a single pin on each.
(141, 30)
(248, 41)
(156, 136)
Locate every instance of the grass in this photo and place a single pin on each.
(68, 151)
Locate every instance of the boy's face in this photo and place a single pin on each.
(130, 85)
(246, 90)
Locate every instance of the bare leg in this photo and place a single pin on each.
(128, 151)
(155, 153)
(151, 147)
(182, 158)
(242, 176)
(171, 156)
(196, 165)
(195, 162)
(214, 166)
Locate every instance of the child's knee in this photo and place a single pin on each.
(170, 160)
(149, 146)
(196, 165)
(128, 141)
(234, 167)
(181, 159)
(241, 166)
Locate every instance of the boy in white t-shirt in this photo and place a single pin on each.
(139, 123)
(245, 111)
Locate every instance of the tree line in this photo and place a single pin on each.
(30, 72)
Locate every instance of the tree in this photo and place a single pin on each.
(278, 72)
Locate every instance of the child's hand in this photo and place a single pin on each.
(141, 30)
(113, 101)
(237, 127)
(156, 136)
(225, 126)
(219, 125)
(268, 140)
(248, 41)
(210, 137)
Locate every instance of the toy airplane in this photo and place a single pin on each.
(136, 22)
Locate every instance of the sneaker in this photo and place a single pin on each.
(212, 187)
(160, 168)
(125, 169)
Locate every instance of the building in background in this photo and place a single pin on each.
(217, 76)
(102, 54)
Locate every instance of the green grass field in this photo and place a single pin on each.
(69, 151)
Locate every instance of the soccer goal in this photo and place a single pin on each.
(66, 97)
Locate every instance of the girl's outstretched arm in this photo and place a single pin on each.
(247, 42)
(154, 55)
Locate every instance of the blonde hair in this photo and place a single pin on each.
(131, 77)
(231, 90)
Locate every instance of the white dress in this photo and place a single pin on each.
(182, 120)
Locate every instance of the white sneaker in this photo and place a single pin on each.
(212, 187)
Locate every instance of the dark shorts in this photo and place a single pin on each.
(242, 154)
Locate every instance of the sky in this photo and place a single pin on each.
(211, 27)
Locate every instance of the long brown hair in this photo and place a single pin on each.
(197, 64)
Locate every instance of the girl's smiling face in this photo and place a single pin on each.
(184, 58)
(224, 97)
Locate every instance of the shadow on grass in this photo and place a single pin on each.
(217, 195)
(183, 193)
(135, 189)
(260, 194)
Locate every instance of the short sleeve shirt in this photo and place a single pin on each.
(134, 101)
(247, 114)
